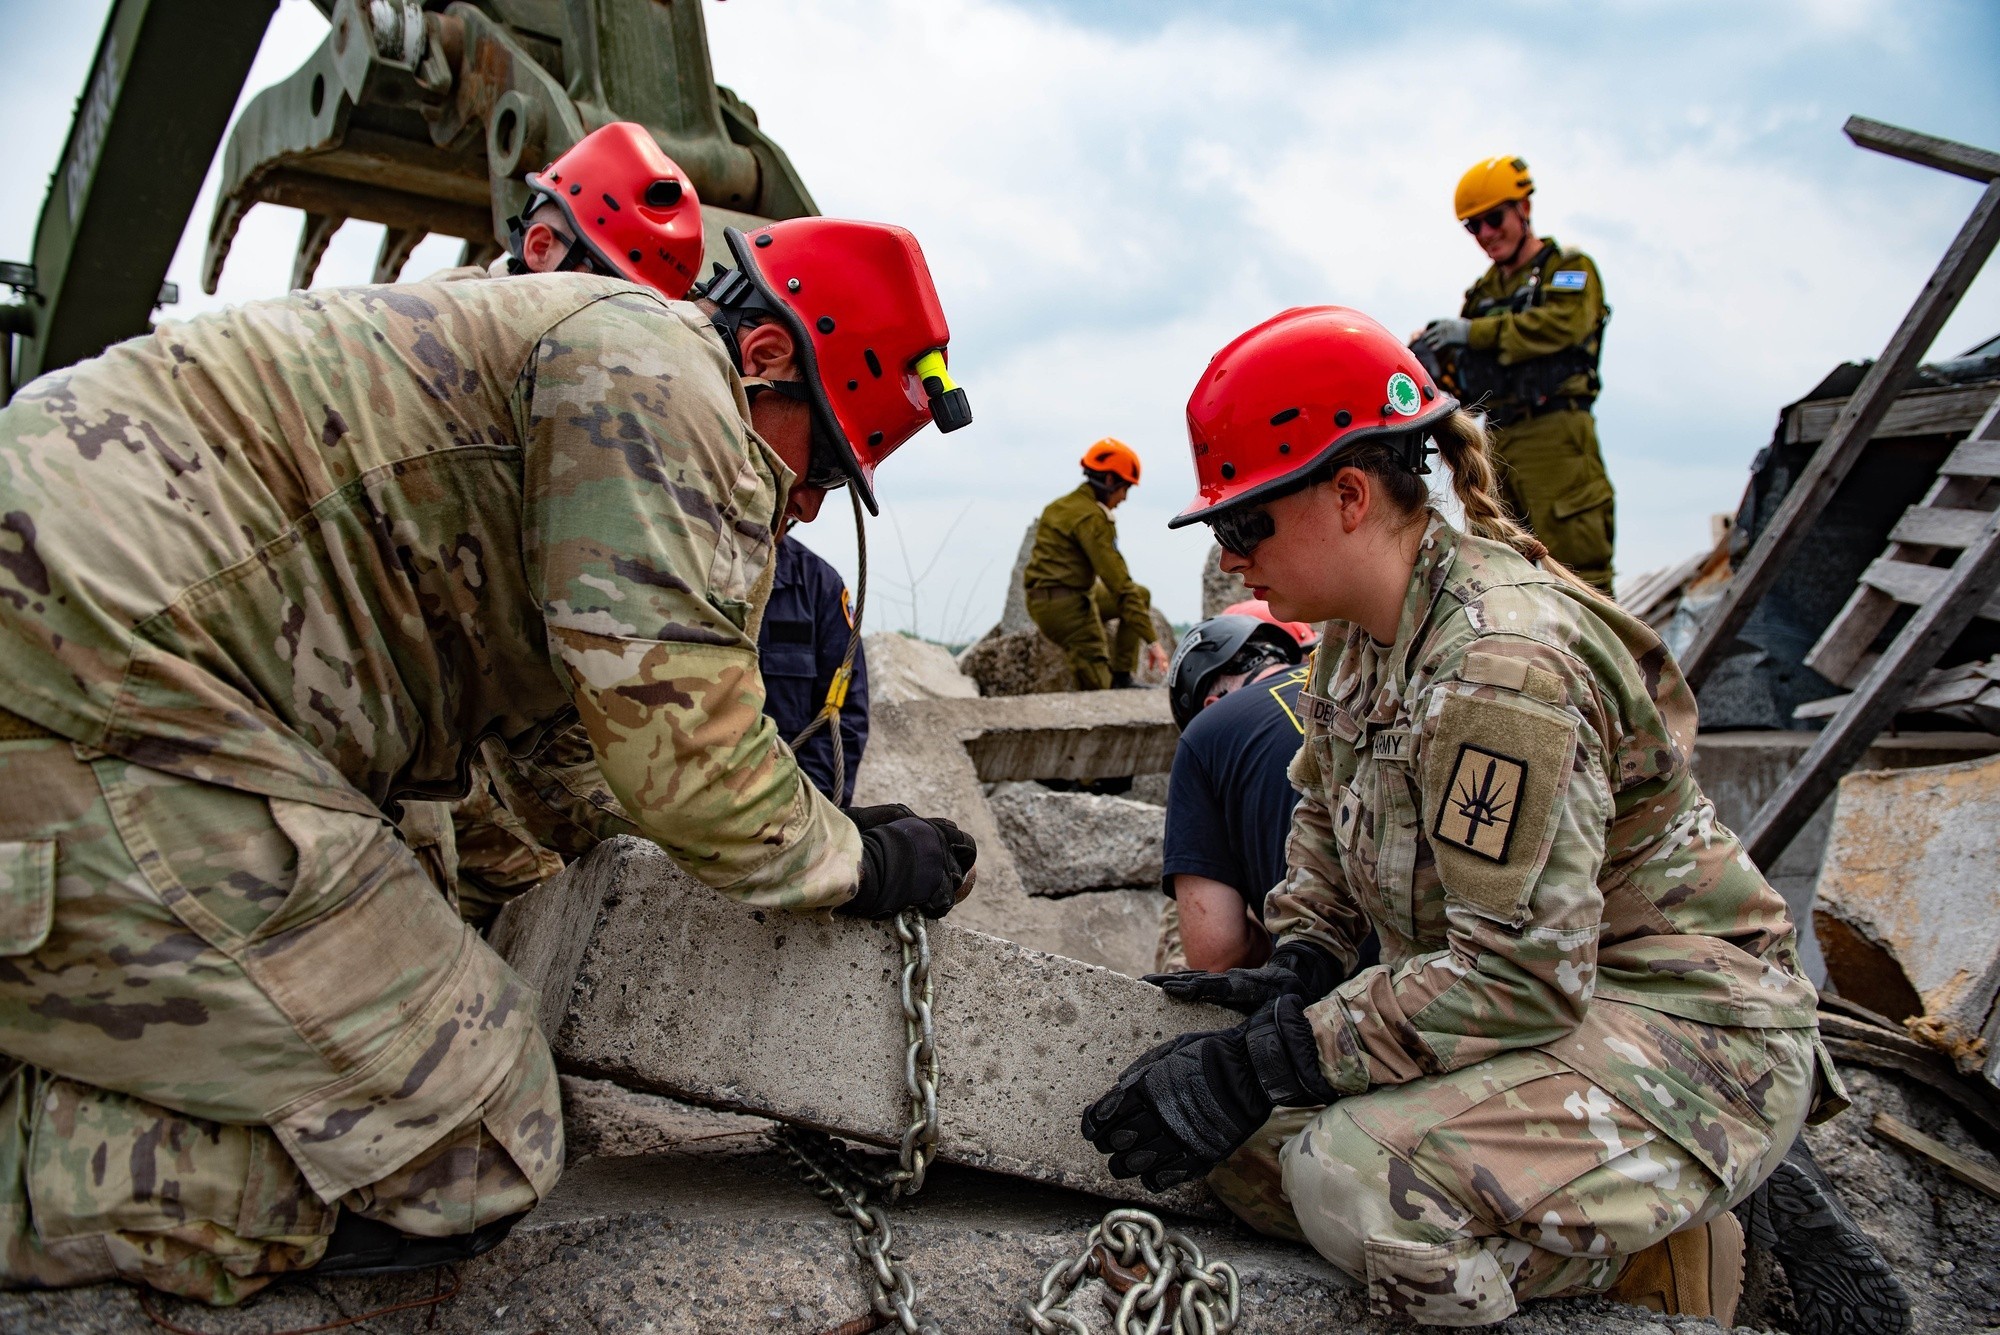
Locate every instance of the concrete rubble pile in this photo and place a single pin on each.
(1908, 914)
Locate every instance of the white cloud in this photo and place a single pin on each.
(1107, 195)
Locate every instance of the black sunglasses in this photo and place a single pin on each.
(1239, 531)
(1492, 218)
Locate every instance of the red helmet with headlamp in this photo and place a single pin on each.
(864, 317)
(1288, 396)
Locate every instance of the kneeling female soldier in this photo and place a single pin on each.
(1589, 1031)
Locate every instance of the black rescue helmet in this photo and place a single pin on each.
(1209, 649)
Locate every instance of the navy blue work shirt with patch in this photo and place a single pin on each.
(1229, 804)
(799, 648)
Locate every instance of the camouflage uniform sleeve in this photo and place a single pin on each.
(650, 510)
(1313, 902)
(1565, 317)
(1514, 798)
(1098, 536)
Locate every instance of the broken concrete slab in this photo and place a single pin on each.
(1218, 588)
(1074, 843)
(1021, 662)
(680, 991)
(1739, 771)
(1014, 616)
(902, 668)
(910, 759)
(1909, 903)
(1071, 735)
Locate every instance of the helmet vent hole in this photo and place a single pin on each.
(1279, 419)
(854, 384)
(874, 438)
(663, 194)
(764, 240)
(874, 363)
(1284, 448)
(1429, 393)
(1343, 417)
(826, 324)
(635, 256)
(1228, 471)
(576, 187)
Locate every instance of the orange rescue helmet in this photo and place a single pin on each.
(1490, 183)
(630, 206)
(1115, 457)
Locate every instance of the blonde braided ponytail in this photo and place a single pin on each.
(1467, 449)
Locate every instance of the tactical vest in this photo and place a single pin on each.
(1510, 393)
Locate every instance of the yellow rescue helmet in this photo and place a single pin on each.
(1113, 456)
(1491, 183)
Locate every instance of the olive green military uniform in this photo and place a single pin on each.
(265, 575)
(1076, 581)
(1551, 469)
(1589, 1027)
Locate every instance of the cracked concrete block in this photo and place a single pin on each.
(1070, 843)
(680, 991)
(1021, 662)
(910, 759)
(1219, 589)
(1014, 614)
(1909, 903)
(901, 668)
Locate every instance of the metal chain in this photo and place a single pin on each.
(829, 1169)
(1163, 1276)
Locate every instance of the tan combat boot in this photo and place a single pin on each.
(1695, 1272)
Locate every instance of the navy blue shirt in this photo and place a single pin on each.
(1229, 804)
(799, 648)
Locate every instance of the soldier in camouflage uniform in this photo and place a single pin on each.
(270, 572)
(1589, 1035)
(1525, 348)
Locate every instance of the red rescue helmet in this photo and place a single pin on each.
(1115, 457)
(1286, 397)
(630, 206)
(864, 316)
(1302, 631)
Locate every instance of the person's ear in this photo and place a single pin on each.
(541, 248)
(767, 352)
(1527, 208)
(1354, 494)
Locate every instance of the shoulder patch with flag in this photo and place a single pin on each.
(1569, 280)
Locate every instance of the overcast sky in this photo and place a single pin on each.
(1108, 192)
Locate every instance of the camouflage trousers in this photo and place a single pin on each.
(1455, 1198)
(224, 1017)
(1077, 622)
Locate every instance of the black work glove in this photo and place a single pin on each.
(909, 862)
(1297, 969)
(1189, 1103)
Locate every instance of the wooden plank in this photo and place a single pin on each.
(1965, 1169)
(1936, 526)
(1915, 585)
(1784, 538)
(1926, 150)
(1858, 1042)
(1964, 592)
(1973, 458)
(1948, 411)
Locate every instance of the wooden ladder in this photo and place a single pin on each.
(1961, 513)
(1949, 518)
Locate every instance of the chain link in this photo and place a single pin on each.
(1163, 1276)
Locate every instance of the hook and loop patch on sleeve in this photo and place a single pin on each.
(1493, 772)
